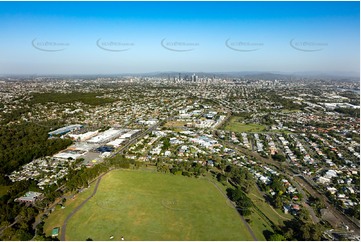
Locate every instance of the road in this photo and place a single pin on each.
(129, 143)
(132, 141)
(338, 214)
(63, 227)
(298, 181)
(136, 138)
(312, 213)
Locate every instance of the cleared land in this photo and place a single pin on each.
(235, 124)
(153, 206)
(175, 124)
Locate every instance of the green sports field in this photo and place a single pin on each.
(235, 124)
(153, 206)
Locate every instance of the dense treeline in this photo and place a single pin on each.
(301, 228)
(21, 143)
(353, 112)
(243, 181)
(243, 202)
(24, 216)
(186, 169)
(91, 98)
(16, 219)
(77, 179)
(240, 177)
(286, 103)
(13, 115)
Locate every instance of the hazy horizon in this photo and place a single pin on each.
(100, 38)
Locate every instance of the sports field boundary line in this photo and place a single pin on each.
(242, 218)
(63, 227)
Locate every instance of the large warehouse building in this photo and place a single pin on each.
(65, 130)
(106, 136)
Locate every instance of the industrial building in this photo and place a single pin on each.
(83, 137)
(130, 134)
(69, 153)
(65, 130)
(116, 143)
(106, 136)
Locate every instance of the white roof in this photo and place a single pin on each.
(104, 136)
(116, 142)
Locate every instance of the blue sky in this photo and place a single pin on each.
(126, 37)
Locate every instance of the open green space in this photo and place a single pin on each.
(264, 215)
(153, 206)
(57, 217)
(259, 225)
(275, 215)
(175, 124)
(235, 124)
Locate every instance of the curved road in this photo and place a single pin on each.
(63, 227)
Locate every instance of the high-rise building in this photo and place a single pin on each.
(194, 78)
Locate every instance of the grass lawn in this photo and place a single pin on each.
(275, 215)
(57, 217)
(176, 124)
(260, 223)
(235, 124)
(152, 206)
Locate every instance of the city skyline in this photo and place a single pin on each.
(141, 37)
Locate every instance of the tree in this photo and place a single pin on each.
(277, 184)
(305, 232)
(289, 234)
(279, 157)
(229, 168)
(221, 177)
(166, 143)
(8, 233)
(277, 237)
(243, 202)
(304, 215)
(278, 201)
(27, 213)
(39, 237)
